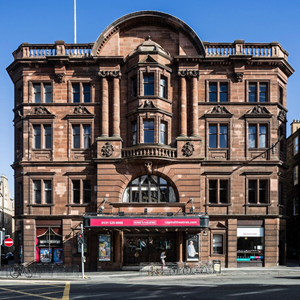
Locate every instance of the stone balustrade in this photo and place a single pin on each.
(149, 151)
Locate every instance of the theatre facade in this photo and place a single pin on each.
(154, 140)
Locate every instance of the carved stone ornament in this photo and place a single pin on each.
(41, 110)
(148, 165)
(60, 77)
(238, 76)
(81, 110)
(258, 110)
(113, 74)
(147, 104)
(189, 73)
(188, 149)
(108, 150)
(282, 116)
(218, 109)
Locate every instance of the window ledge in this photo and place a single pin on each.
(280, 205)
(78, 204)
(217, 204)
(218, 255)
(40, 205)
(258, 204)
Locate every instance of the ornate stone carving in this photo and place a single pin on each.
(218, 109)
(189, 73)
(108, 150)
(282, 116)
(148, 165)
(81, 110)
(147, 104)
(258, 110)
(188, 149)
(238, 76)
(113, 74)
(60, 77)
(40, 110)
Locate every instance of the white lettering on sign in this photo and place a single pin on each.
(250, 231)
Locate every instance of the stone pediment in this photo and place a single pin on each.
(147, 104)
(149, 59)
(81, 110)
(258, 111)
(218, 111)
(39, 112)
(151, 46)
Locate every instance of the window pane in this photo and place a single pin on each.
(218, 243)
(212, 191)
(76, 95)
(223, 136)
(162, 88)
(47, 93)
(76, 191)
(87, 136)
(134, 134)
(86, 191)
(212, 92)
(47, 134)
(37, 93)
(252, 92)
(163, 133)
(295, 175)
(76, 136)
(212, 136)
(223, 92)
(262, 136)
(223, 191)
(86, 93)
(37, 136)
(37, 191)
(48, 191)
(252, 191)
(263, 191)
(148, 85)
(148, 131)
(262, 92)
(252, 136)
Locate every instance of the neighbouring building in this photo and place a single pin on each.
(148, 133)
(292, 186)
(6, 212)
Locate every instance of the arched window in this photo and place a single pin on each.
(149, 188)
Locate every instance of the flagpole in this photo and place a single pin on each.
(75, 38)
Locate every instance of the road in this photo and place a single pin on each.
(232, 287)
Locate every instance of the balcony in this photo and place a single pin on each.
(147, 150)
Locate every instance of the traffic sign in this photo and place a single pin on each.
(8, 242)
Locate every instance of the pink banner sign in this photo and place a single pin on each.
(178, 222)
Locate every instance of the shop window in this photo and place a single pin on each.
(295, 175)
(148, 131)
(295, 206)
(149, 188)
(257, 92)
(81, 136)
(218, 136)
(295, 145)
(218, 92)
(42, 93)
(81, 191)
(218, 244)
(257, 136)
(42, 136)
(148, 83)
(163, 88)
(258, 191)
(217, 191)
(134, 133)
(163, 133)
(42, 191)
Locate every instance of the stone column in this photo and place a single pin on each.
(183, 103)
(116, 103)
(105, 104)
(195, 75)
(180, 246)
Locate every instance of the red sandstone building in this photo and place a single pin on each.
(148, 132)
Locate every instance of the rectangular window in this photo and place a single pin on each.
(223, 92)
(148, 85)
(47, 137)
(295, 175)
(134, 133)
(37, 136)
(218, 136)
(295, 206)
(295, 145)
(37, 93)
(163, 133)
(218, 191)
(218, 244)
(212, 92)
(86, 93)
(148, 131)
(48, 191)
(76, 136)
(252, 92)
(86, 191)
(255, 139)
(76, 191)
(47, 93)
(134, 87)
(86, 136)
(262, 136)
(258, 191)
(37, 191)
(258, 92)
(76, 92)
(162, 90)
(218, 92)
(262, 92)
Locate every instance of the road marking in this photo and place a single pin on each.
(66, 291)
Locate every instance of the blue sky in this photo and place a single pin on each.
(37, 21)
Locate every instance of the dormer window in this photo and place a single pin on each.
(148, 85)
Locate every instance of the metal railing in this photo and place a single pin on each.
(177, 268)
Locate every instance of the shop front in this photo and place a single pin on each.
(129, 241)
